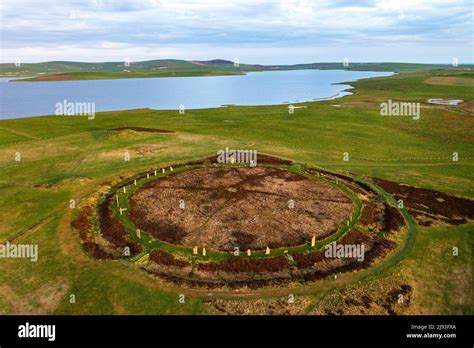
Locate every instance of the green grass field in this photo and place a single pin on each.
(68, 157)
(110, 75)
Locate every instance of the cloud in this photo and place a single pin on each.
(100, 29)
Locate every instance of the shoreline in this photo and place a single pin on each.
(340, 94)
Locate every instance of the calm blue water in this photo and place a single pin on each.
(21, 99)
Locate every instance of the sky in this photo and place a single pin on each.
(254, 31)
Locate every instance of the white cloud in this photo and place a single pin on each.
(40, 30)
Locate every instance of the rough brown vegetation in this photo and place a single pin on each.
(354, 237)
(273, 264)
(393, 219)
(389, 296)
(111, 229)
(261, 306)
(262, 159)
(82, 222)
(309, 259)
(378, 249)
(96, 251)
(223, 208)
(372, 215)
(429, 206)
(251, 283)
(256, 273)
(356, 186)
(135, 248)
(164, 258)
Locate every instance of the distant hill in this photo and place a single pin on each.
(215, 62)
(66, 70)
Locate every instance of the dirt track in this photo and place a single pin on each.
(224, 208)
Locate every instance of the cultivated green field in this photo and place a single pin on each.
(68, 157)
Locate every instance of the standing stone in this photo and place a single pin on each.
(195, 250)
(249, 252)
(313, 241)
(203, 251)
(267, 251)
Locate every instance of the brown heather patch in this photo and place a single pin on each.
(111, 229)
(238, 207)
(372, 214)
(164, 258)
(270, 265)
(393, 219)
(428, 206)
(82, 222)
